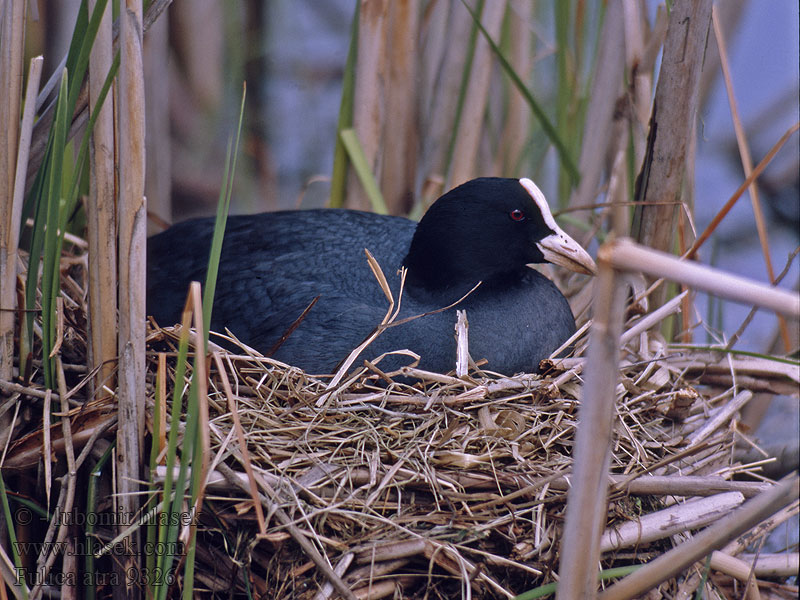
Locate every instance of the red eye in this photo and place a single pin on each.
(517, 215)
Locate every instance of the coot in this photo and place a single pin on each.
(274, 264)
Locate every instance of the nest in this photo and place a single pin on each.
(433, 484)
(423, 485)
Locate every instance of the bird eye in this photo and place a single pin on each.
(517, 215)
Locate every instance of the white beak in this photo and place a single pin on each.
(558, 248)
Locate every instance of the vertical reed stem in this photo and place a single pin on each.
(101, 215)
(132, 243)
(12, 38)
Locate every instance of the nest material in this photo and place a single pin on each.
(448, 482)
(443, 487)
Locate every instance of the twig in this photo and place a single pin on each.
(738, 333)
(703, 237)
(676, 560)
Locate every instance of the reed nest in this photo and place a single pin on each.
(443, 486)
(427, 485)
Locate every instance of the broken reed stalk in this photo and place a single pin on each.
(101, 221)
(132, 244)
(661, 178)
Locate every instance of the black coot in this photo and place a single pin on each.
(274, 264)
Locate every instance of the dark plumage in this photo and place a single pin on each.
(274, 264)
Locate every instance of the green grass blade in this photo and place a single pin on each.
(713, 348)
(78, 57)
(78, 34)
(51, 280)
(188, 456)
(153, 499)
(35, 252)
(223, 206)
(173, 489)
(361, 167)
(193, 437)
(550, 588)
(12, 535)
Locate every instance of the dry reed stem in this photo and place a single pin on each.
(194, 304)
(47, 447)
(517, 114)
(399, 134)
(469, 133)
(747, 166)
(723, 416)
(11, 66)
(606, 88)
(131, 247)
(447, 27)
(161, 398)
(41, 128)
(769, 565)
(670, 521)
(673, 114)
(369, 100)
(626, 255)
(101, 220)
(740, 544)
(640, 76)
(586, 507)
(12, 35)
(744, 148)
